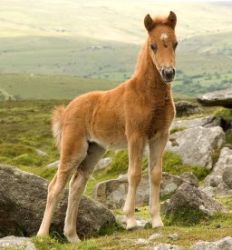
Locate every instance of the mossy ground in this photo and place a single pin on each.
(25, 129)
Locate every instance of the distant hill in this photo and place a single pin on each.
(49, 42)
(120, 20)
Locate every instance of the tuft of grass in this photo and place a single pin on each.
(173, 164)
(174, 130)
(185, 217)
(224, 112)
(228, 138)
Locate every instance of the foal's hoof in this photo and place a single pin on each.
(73, 238)
(157, 223)
(42, 234)
(131, 224)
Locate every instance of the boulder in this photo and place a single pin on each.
(223, 244)
(112, 193)
(219, 180)
(217, 98)
(103, 163)
(227, 177)
(22, 203)
(189, 205)
(12, 242)
(208, 121)
(165, 246)
(197, 145)
(184, 108)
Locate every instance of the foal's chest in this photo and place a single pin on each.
(161, 117)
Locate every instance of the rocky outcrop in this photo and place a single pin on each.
(12, 242)
(112, 193)
(207, 122)
(189, 205)
(220, 179)
(103, 163)
(22, 203)
(184, 108)
(165, 246)
(222, 244)
(217, 98)
(197, 145)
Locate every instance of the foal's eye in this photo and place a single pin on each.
(154, 47)
(175, 45)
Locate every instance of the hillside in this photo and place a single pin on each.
(48, 67)
(49, 44)
(120, 20)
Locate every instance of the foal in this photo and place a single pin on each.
(138, 112)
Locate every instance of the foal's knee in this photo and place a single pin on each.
(134, 176)
(156, 175)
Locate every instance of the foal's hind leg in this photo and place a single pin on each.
(76, 188)
(73, 152)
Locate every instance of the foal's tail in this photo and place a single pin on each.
(57, 124)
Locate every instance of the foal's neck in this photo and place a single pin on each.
(147, 78)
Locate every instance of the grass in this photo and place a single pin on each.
(224, 112)
(174, 165)
(215, 228)
(25, 128)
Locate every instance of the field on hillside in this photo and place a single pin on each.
(46, 68)
(26, 142)
(36, 39)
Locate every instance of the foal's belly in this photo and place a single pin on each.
(110, 143)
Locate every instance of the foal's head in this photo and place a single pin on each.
(162, 44)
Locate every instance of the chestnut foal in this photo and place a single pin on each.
(137, 113)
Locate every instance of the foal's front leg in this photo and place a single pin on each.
(135, 151)
(156, 147)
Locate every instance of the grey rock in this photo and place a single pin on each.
(222, 244)
(215, 179)
(209, 121)
(227, 176)
(196, 145)
(141, 241)
(19, 242)
(164, 246)
(112, 193)
(174, 236)
(217, 98)
(155, 236)
(189, 200)
(22, 203)
(103, 163)
(184, 108)
(190, 178)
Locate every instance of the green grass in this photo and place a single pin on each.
(26, 86)
(25, 127)
(36, 67)
(174, 165)
(224, 113)
(209, 230)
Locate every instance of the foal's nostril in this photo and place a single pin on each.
(168, 73)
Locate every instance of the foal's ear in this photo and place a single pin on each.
(171, 21)
(149, 23)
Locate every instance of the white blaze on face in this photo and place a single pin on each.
(163, 36)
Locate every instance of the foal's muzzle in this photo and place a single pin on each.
(167, 74)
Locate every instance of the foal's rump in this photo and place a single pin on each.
(98, 116)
